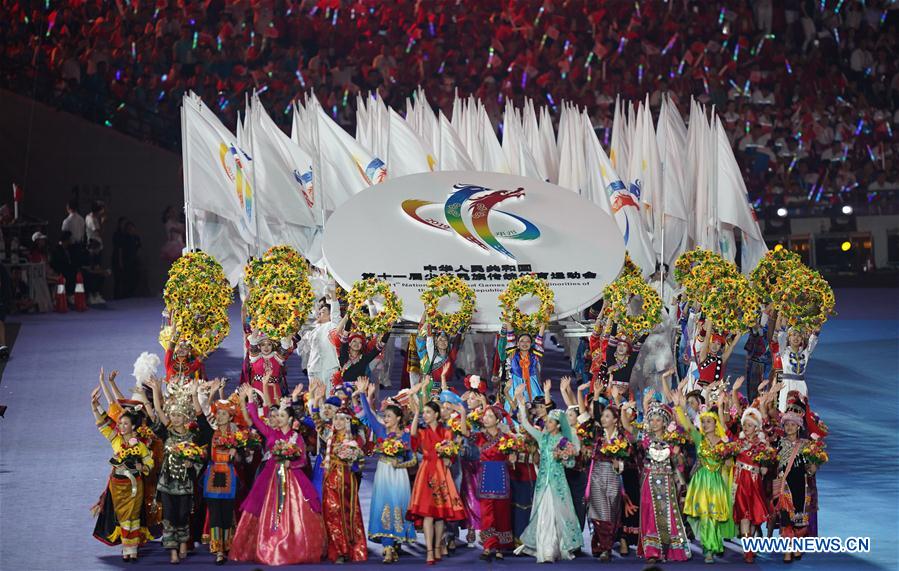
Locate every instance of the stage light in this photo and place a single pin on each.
(782, 212)
(845, 245)
(847, 210)
(778, 247)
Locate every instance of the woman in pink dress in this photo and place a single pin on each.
(265, 363)
(281, 521)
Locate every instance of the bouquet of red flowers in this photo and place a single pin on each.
(447, 449)
(724, 450)
(286, 451)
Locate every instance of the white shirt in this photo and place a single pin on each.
(92, 226)
(322, 353)
(74, 223)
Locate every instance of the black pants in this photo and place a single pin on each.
(175, 519)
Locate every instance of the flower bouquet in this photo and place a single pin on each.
(286, 451)
(618, 448)
(508, 444)
(814, 453)
(188, 451)
(447, 449)
(455, 424)
(724, 450)
(564, 450)
(391, 447)
(765, 456)
(349, 451)
(128, 456)
(474, 418)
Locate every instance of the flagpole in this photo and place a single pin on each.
(248, 112)
(189, 241)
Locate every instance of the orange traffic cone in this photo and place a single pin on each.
(80, 301)
(62, 306)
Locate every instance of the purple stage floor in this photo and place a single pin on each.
(53, 460)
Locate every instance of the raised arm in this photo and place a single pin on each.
(731, 346)
(704, 350)
(377, 427)
(413, 427)
(155, 385)
(567, 395)
(113, 387)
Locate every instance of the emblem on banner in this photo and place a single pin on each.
(233, 161)
(305, 182)
(479, 202)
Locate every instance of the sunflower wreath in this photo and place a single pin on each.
(618, 295)
(197, 295)
(731, 303)
(277, 314)
(767, 277)
(443, 286)
(699, 270)
(357, 301)
(519, 287)
(286, 255)
(806, 299)
(196, 282)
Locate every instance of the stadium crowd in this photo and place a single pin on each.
(808, 88)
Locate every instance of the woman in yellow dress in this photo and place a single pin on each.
(119, 519)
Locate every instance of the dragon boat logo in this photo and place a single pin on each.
(484, 225)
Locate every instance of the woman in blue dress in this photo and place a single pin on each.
(523, 354)
(554, 532)
(387, 522)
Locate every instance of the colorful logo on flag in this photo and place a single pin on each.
(479, 202)
(233, 161)
(619, 197)
(376, 171)
(305, 182)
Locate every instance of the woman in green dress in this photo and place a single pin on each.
(709, 504)
(553, 532)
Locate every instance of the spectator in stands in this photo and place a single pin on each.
(74, 222)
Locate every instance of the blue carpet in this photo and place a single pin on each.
(53, 461)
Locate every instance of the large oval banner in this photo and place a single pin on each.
(486, 228)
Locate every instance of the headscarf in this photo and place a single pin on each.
(562, 419)
(719, 430)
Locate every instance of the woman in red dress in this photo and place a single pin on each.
(494, 490)
(751, 506)
(340, 493)
(435, 499)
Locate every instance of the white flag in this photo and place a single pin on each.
(218, 172)
(549, 145)
(618, 200)
(494, 160)
(618, 153)
(645, 173)
(283, 175)
(733, 205)
(452, 153)
(407, 153)
(672, 146)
